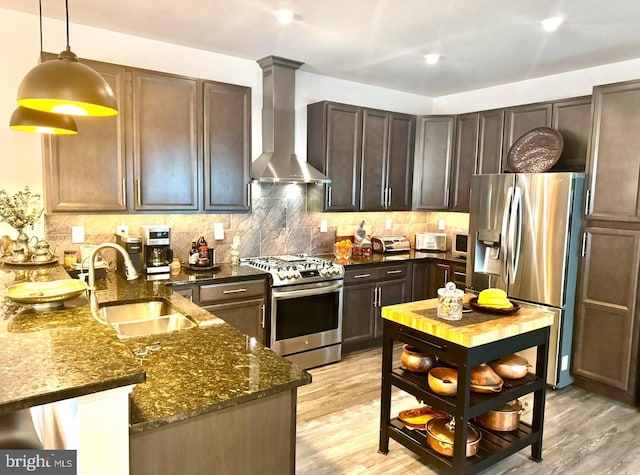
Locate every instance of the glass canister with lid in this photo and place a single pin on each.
(450, 302)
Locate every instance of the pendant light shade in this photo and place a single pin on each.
(66, 86)
(31, 120)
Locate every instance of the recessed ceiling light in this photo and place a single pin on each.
(432, 58)
(552, 23)
(284, 15)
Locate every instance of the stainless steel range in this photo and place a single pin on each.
(306, 307)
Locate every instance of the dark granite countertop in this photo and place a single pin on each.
(195, 371)
(412, 255)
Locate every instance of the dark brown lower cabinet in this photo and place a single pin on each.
(366, 291)
(255, 437)
(606, 326)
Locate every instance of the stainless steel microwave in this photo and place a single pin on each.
(460, 245)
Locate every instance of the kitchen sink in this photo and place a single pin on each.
(148, 317)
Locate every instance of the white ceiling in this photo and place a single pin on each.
(382, 42)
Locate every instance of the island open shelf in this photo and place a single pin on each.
(464, 346)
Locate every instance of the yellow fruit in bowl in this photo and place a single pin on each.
(494, 298)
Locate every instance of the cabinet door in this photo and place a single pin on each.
(520, 120)
(334, 144)
(227, 146)
(614, 161)
(572, 118)
(358, 315)
(420, 281)
(390, 292)
(466, 151)
(490, 140)
(439, 275)
(87, 172)
(247, 316)
(166, 141)
(375, 143)
(606, 326)
(400, 161)
(434, 154)
(459, 275)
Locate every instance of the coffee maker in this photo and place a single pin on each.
(156, 251)
(133, 246)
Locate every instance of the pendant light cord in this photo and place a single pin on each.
(40, 10)
(66, 6)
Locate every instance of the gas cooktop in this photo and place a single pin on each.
(296, 269)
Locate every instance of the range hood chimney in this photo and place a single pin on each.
(278, 162)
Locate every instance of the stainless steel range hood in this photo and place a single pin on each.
(278, 162)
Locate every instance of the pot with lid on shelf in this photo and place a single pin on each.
(440, 436)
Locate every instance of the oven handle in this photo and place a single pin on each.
(306, 292)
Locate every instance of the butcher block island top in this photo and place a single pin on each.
(474, 329)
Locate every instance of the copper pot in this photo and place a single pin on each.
(505, 419)
(416, 361)
(440, 434)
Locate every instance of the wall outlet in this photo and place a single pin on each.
(77, 234)
(122, 229)
(323, 226)
(218, 231)
(441, 224)
(565, 363)
(387, 223)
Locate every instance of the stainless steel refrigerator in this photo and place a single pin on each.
(524, 232)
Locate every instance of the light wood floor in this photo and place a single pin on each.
(338, 426)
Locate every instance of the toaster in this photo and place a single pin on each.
(431, 242)
(392, 243)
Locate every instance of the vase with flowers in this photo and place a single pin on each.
(19, 211)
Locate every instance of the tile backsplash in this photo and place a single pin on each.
(277, 224)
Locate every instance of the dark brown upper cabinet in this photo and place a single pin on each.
(227, 147)
(613, 192)
(433, 162)
(464, 161)
(490, 138)
(572, 118)
(367, 154)
(334, 144)
(177, 144)
(166, 142)
(387, 160)
(88, 172)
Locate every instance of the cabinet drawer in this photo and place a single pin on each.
(382, 272)
(231, 291)
(459, 275)
(186, 292)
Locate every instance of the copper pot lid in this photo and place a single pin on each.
(512, 406)
(443, 430)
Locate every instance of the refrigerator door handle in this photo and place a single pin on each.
(504, 246)
(515, 231)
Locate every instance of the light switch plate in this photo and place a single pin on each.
(387, 224)
(565, 363)
(77, 234)
(218, 231)
(441, 224)
(323, 226)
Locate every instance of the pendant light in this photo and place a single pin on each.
(66, 86)
(31, 120)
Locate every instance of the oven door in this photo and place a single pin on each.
(306, 317)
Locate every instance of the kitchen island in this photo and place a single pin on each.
(477, 338)
(200, 382)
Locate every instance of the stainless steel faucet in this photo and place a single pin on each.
(130, 272)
